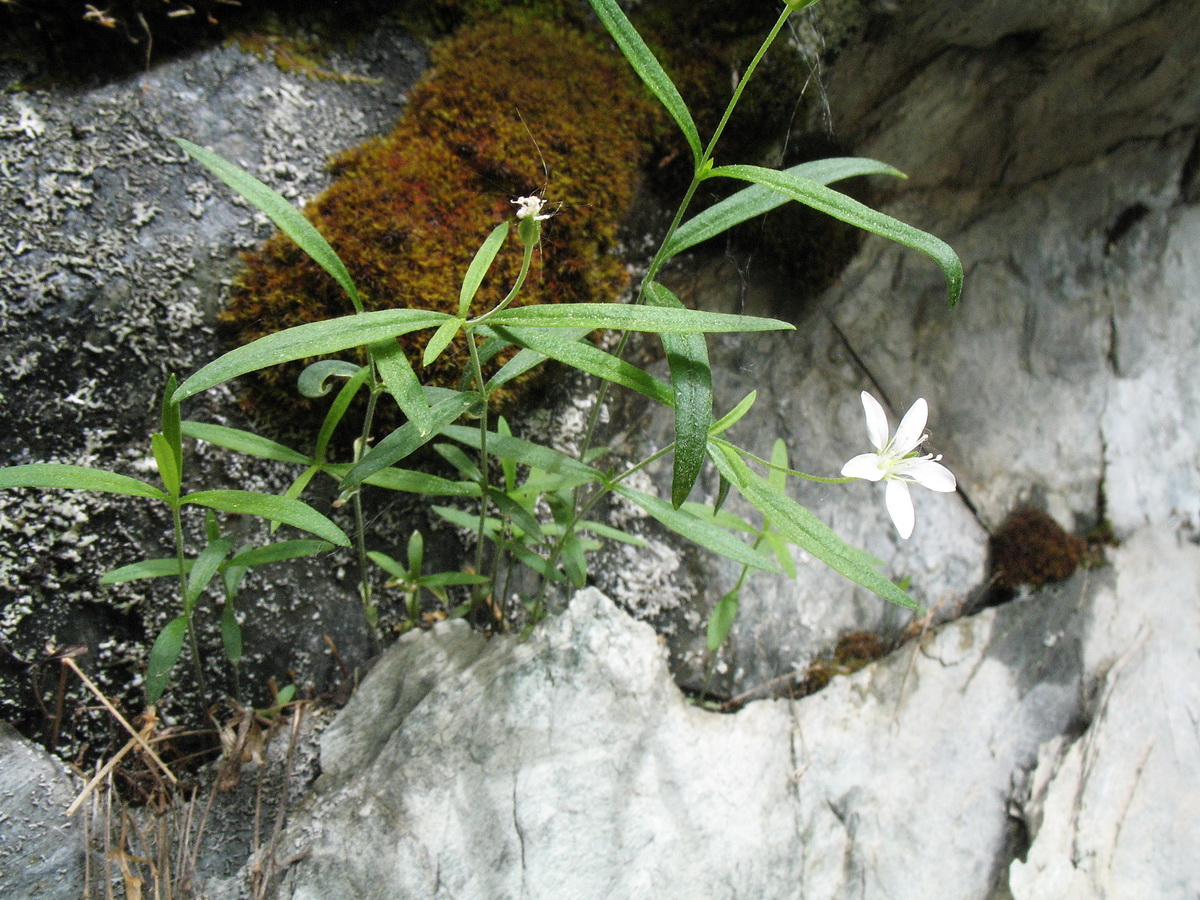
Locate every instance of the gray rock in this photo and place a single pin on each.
(571, 765)
(41, 850)
(1054, 147)
(114, 253)
(1114, 812)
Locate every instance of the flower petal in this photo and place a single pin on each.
(900, 506)
(912, 428)
(877, 423)
(930, 474)
(865, 465)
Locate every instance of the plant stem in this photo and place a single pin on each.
(700, 173)
(201, 684)
(539, 608)
(360, 522)
(477, 374)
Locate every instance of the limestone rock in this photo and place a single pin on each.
(571, 765)
(41, 850)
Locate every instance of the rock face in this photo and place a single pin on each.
(41, 851)
(1055, 148)
(570, 765)
(115, 251)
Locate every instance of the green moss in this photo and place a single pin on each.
(506, 109)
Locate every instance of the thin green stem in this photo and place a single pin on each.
(477, 374)
(360, 522)
(177, 522)
(516, 288)
(701, 171)
(786, 471)
(539, 608)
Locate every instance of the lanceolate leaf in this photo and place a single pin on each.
(314, 380)
(722, 620)
(413, 482)
(268, 506)
(698, 531)
(289, 219)
(479, 267)
(801, 527)
(311, 339)
(243, 442)
(337, 410)
(526, 452)
(78, 478)
(407, 438)
(591, 359)
(203, 570)
(147, 568)
(278, 552)
(829, 201)
(163, 656)
(649, 70)
(631, 318)
(691, 380)
(402, 383)
(756, 200)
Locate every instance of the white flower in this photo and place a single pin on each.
(896, 460)
(531, 206)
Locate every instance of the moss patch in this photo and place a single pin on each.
(507, 109)
(1030, 548)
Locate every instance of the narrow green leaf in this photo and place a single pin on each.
(801, 527)
(574, 560)
(204, 568)
(314, 381)
(613, 534)
(268, 506)
(508, 466)
(838, 205)
(627, 317)
(591, 359)
(402, 383)
(442, 579)
(783, 552)
(454, 455)
(691, 380)
(231, 633)
(526, 452)
(696, 530)
(440, 341)
(405, 439)
(721, 621)
(310, 339)
(413, 482)
(525, 360)
(243, 442)
(776, 477)
(389, 565)
(170, 423)
(167, 462)
(147, 568)
(649, 70)
(724, 518)
(337, 410)
(478, 269)
(279, 551)
(732, 417)
(76, 478)
(516, 513)
(289, 219)
(163, 656)
(416, 553)
(756, 200)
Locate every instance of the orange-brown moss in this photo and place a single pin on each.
(1031, 548)
(407, 211)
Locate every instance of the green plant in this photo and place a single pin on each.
(538, 513)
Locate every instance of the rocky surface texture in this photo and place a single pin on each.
(1056, 150)
(115, 253)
